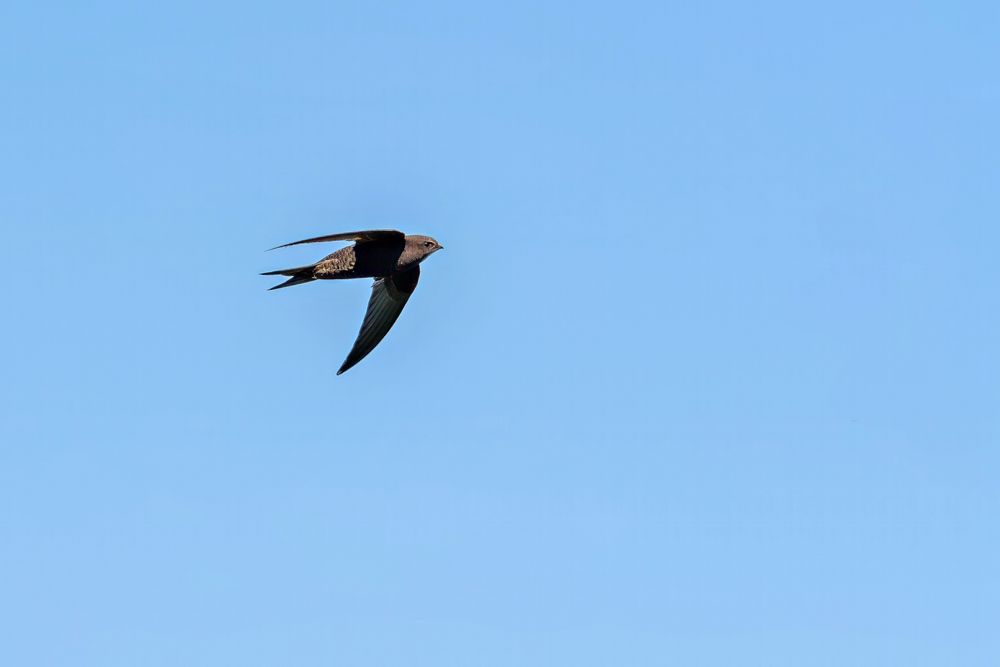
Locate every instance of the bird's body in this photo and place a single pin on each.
(374, 259)
(390, 257)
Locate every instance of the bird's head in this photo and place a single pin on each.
(423, 246)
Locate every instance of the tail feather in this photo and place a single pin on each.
(298, 275)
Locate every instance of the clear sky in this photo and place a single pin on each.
(707, 374)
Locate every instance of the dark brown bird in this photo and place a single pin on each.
(390, 257)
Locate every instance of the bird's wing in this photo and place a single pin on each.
(371, 235)
(389, 295)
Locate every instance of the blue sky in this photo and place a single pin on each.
(706, 375)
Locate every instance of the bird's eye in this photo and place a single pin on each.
(427, 244)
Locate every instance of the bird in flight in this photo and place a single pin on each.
(390, 257)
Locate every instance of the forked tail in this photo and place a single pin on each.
(299, 275)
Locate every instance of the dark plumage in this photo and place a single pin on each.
(390, 257)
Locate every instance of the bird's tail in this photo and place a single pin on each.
(299, 275)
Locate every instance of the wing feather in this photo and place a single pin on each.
(370, 235)
(389, 295)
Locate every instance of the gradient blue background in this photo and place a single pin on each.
(706, 375)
